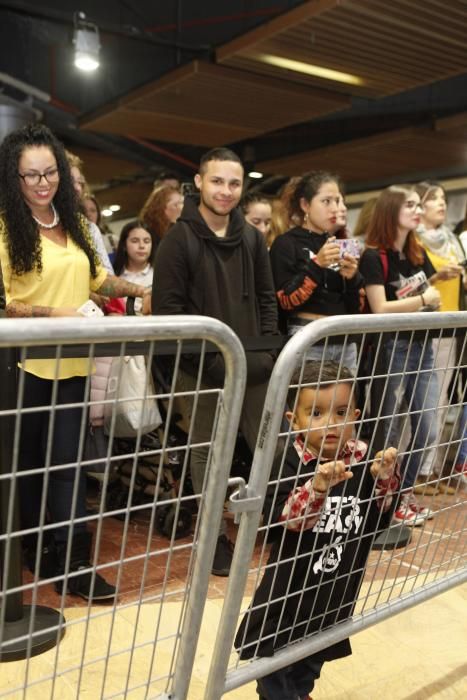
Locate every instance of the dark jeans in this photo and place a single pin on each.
(204, 422)
(291, 683)
(33, 441)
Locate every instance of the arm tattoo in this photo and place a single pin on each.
(118, 287)
(16, 309)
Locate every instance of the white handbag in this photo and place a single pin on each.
(130, 398)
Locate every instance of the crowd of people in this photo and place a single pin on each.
(262, 265)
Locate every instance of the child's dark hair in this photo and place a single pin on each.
(320, 375)
(121, 256)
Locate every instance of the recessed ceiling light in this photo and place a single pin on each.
(255, 174)
(115, 207)
(309, 69)
(107, 212)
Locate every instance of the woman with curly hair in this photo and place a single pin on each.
(49, 269)
(161, 209)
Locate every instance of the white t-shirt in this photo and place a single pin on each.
(100, 247)
(143, 277)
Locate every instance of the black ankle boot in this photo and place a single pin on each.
(48, 559)
(84, 585)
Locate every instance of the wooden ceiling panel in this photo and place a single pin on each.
(130, 197)
(391, 47)
(379, 157)
(100, 167)
(164, 127)
(207, 105)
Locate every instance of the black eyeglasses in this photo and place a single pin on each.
(32, 179)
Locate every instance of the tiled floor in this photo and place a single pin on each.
(416, 655)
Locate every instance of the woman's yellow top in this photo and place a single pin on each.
(448, 289)
(65, 281)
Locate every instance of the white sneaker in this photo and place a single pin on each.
(405, 515)
(410, 512)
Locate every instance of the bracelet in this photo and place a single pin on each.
(423, 300)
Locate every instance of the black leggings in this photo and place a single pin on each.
(33, 449)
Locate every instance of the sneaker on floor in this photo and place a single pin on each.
(460, 470)
(405, 514)
(420, 510)
(81, 586)
(222, 557)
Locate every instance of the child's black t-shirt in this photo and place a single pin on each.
(312, 577)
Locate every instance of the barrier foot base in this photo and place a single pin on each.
(393, 538)
(48, 628)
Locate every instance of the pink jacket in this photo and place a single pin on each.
(98, 388)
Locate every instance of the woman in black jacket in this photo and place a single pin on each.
(314, 276)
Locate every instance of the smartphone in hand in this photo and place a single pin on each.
(90, 309)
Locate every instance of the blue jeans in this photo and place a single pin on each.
(410, 377)
(332, 351)
(291, 683)
(462, 456)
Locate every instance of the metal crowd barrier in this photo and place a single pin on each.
(161, 579)
(430, 560)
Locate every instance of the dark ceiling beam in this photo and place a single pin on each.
(410, 176)
(330, 131)
(163, 151)
(62, 120)
(219, 19)
(128, 32)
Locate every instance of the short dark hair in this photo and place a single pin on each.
(218, 154)
(317, 374)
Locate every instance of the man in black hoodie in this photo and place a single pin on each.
(211, 262)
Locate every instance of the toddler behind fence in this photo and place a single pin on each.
(324, 505)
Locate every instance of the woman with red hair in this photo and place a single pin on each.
(398, 277)
(161, 209)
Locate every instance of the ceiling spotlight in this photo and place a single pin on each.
(255, 174)
(87, 43)
(115, 207)
(107, 212)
